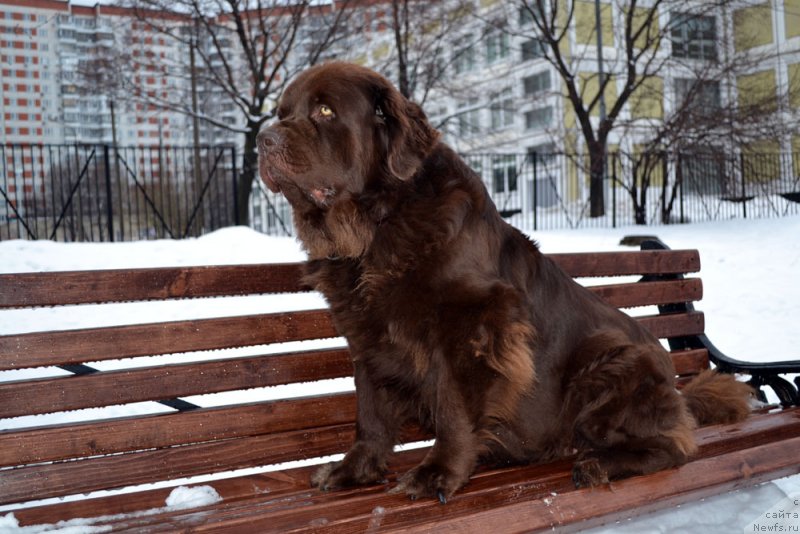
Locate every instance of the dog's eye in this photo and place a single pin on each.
(325, 111)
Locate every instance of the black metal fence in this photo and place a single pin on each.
(104, 193)
(551, 191)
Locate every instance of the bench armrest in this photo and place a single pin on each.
(761, 373)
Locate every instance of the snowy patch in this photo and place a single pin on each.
(183, 497)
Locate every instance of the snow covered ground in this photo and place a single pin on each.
(751, 298)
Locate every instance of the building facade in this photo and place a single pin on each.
(55, 87)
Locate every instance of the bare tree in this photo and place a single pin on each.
(639, 40)
(245, 52)
(701, 125)
(423, 33)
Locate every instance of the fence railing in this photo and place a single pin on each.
(102, 193)
(549, 191)
(105, 193)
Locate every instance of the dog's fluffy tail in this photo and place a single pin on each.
(715, 398)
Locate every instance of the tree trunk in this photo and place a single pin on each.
(637, 181)
(666, 209)
(597, 166)
(249, 172)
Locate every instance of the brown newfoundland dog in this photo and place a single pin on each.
(454, 319)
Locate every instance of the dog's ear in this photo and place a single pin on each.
(407, 136)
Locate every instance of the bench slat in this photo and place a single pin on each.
(158, 431)
(111, 343)
(650, 293)
(82, 476)
(230, 489)
(690, 362)
(674, 325)
(120, 285)
(589, 264)
(170, 381)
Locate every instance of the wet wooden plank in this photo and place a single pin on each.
(277, 483)
(674, 325)
(95, 344)
(589, 264)
(170, 381)
(80, 440)
(82, 476)
(77, 287)
(689, 362)
(121, 285)
(286, 485)
(650, 293)
(111, 343)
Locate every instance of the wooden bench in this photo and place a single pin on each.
(39, 464)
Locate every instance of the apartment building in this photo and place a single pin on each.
(52, 89)
(28, 89)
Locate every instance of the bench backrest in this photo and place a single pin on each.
(150, 374)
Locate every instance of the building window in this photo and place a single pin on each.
(532, 49)
(693, 37)
(525, 16)
(699, 97)
(703, 172)
(537, 83)
(504, 174)
(539, 118)
(464, 57)
(536, 9)
(469, 119)
(496, 47)
(544, 154)
(502, 109)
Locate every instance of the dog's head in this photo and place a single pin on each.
(341, 131)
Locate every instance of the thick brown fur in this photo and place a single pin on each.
(454, 319)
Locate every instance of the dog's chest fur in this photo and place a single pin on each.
(389, 315)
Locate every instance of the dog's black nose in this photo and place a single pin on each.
(268, 138)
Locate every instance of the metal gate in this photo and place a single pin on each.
(105, 193)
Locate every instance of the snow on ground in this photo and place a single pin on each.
(751, 300)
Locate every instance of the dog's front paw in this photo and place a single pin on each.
(352, 471)
(588, 473)
(430, 481)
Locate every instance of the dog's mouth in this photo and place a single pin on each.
(277, 181)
